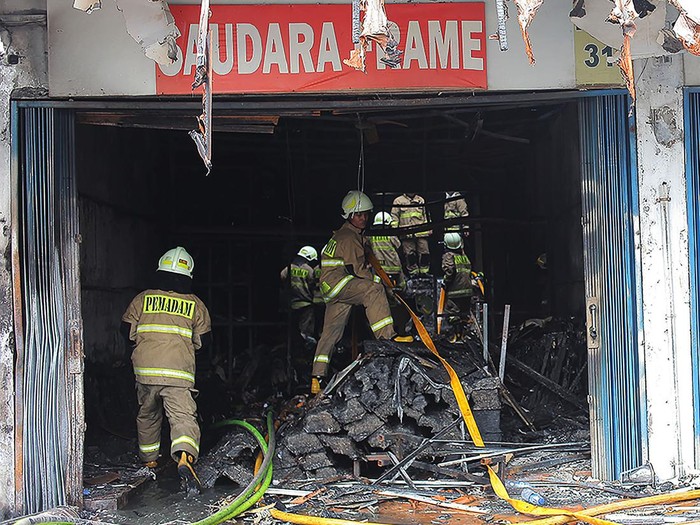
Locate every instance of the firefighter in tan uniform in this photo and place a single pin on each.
(409, 210)
(347, 280)
(457, 280)
(167, 324)
(303, 282)
(456, 208)
(385, 248)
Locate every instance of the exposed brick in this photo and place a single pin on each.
(315, 461)
(340, 445)
(349, 412)
(302, 443)
(360, 430)
(321, 423)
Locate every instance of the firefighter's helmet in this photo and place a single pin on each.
(177, 260)
(309, 253)
(453, 241)
(355, 202)
(382, 219)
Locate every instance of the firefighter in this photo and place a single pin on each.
(303, 282)
(456, 208)
(409, 210)
(346, 280)
(167, 324)
(457, 280)
(385, 249)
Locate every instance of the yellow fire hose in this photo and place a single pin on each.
(302, 519)
(556, 516)
(660, 499)
(441, 309)
(468, 416)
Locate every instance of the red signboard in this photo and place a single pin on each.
(301, 47)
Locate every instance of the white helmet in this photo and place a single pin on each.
(453, 241)
(355, 202)
(309, 253)
(382, 218)
(177, 260)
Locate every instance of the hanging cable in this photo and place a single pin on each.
(361, 162)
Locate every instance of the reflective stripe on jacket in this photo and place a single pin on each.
(347, 248)
(318, 298)
(385, 249)
(406, 211)
(454, 209)
(456, 268)
(166, 328)
(302, 282)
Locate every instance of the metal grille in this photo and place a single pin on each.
(611, 267)
(50, 285)
(692, 162)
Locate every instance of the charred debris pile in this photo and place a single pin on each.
(384, 404)
(395, 402)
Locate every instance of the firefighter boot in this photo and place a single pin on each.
(402, 338)
(315, 385)
(188, 477)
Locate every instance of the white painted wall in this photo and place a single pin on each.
(92, 55)
(691, 69)
(664, 261)
(28, 41)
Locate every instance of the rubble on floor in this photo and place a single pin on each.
(386, 442)
(387, 402)
(546, 371)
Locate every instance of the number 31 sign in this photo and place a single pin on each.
(593, 62)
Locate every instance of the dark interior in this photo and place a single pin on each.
(276, 185)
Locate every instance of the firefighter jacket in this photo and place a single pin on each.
(318, 298)
(454, 209)
(385, 249)
(456, 268)
(166, 328)
(343, 259)
(406, 211)
(302, 281)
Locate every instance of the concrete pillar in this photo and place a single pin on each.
(23, 72)
(665, 345)
(7, 470)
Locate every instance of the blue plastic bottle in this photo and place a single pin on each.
(533, 497)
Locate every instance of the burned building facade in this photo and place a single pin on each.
(98, 176)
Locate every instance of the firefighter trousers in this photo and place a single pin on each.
(357, 291)
(306, 320)
(417, 255)
(181, 411)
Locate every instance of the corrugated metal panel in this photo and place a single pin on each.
(692, 164)
(51, 419)
(610, 214)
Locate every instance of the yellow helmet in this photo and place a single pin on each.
(177, 260)
(355, 202)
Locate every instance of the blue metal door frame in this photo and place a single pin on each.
(610, 206)
(691, 116)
